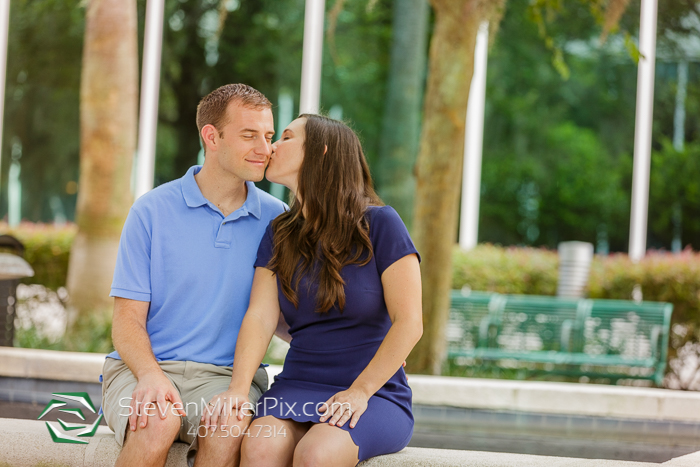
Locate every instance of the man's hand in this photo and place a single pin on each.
(216, 414)
(153, 393)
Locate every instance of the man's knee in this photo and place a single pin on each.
(157, 435)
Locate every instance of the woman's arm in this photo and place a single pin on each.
(403, 297)
(258, 326)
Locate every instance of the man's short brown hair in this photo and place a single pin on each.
(212, 108)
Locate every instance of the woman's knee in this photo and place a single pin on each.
(266, 451)
(325, 445)
(312, 455)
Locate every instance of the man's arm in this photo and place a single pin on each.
(134, 347)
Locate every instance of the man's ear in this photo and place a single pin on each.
(209, 137)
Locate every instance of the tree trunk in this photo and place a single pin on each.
(108, 124)
(401, 125)
(439, 167)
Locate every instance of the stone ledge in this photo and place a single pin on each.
(27, 443)
(50, 364)
(556, 398)
(524, 396)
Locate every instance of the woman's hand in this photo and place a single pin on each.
(217, 412)
(345, 405)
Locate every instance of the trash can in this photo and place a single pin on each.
(13, 267)
(574, 268)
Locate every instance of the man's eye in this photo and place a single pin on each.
(285, 138)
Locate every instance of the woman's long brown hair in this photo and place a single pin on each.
(325, 228)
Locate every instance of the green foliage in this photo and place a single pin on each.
(47, 249)
(41, 127)
(557, 159)
(93, 337)
(675, 206)
(506, 270)
(531, 111)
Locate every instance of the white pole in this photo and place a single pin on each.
(4, 32)
(150, 86)
(642, 130)
(310, 98)
(473, 144)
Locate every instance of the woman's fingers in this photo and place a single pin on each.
(355, 418)
(327, 408)
(343, 407)
(208, 414)
(347, 413)
(341, 411)
(223, 419)
(215, 416)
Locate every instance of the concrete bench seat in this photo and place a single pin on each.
(26, 443)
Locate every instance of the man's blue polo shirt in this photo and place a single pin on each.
(195, 267)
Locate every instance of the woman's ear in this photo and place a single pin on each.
(325, 149)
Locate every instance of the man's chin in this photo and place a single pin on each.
(255, 176)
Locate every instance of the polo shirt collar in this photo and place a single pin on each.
(194, 197)
(252, 202)
(190, 190)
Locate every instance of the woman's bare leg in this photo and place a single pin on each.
(324, 445)
(271, 442)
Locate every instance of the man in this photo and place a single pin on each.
(182, 285)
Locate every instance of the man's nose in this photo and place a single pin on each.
(265, 147)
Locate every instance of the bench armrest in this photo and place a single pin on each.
(655, 342)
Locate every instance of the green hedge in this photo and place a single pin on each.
(47, 249)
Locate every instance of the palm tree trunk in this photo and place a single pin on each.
(108, 124)
(439, 168)
(402, 115)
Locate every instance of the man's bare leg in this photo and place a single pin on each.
(149, 446)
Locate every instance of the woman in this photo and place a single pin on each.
(343, 271)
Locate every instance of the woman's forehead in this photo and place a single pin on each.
(297, 126)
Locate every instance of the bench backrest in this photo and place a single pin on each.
(528, 323)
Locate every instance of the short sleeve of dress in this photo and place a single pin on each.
(390, 238)
(265, 248)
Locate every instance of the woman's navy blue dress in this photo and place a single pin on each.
(329, 350)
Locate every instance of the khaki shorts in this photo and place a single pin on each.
(196, 382)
